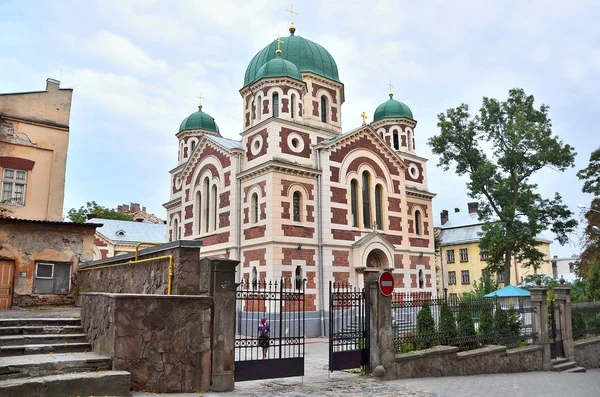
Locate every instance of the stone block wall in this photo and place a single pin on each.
(164, 341)
(587, 352)
(147, 277)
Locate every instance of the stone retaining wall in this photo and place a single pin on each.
(148, 277)
(587, 352)
(164, 341)
(448, 361)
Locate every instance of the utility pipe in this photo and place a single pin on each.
(137, 248)
(320, 244)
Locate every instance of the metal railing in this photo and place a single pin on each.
(585, 318)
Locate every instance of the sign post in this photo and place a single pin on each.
(386, 283)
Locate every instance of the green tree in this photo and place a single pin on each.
(426, 327)
(98, 211)
(486, 327)
(466, 324)
(593, 283)
(500, 149)
(590, 240)
(447, 325)
(486, 284)
(591, 175)
(501, 320)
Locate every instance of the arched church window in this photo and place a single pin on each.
(275, 105)
(253, 105)
(292, 105)
(323, 108)
(396, 143)
(366, 205)
(297, 201)
(258, 107)
(198, 209)
(254, 207)
(408, 140)
(254, 278)
(421, 280)
(378, 206)
(373, 260)
(298, 277)
(175, 230)
(193, 146)
(206, 214)
(418, 222)
(213, 205)
(354, 201)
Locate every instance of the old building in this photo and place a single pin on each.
(138, 213)
(296, 197)
(461, 262)
(38, 252)
(117, 237)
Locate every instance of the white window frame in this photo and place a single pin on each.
(450, 253)
(37, 269)
(464, 258)
(13, 182)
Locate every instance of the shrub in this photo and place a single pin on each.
(426, 328)
(447, 326)
(486, 327)
(466, 326)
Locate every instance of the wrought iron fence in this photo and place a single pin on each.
(585, 318)
(421, 321)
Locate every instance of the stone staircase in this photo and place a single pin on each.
(564, 365)
(50, 357)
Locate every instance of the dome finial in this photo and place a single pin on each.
(364, 117)
(200, 98)
(391, 93)
(279, 42)
(292, 12)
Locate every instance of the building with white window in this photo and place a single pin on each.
(296, 196)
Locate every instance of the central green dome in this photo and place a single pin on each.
(278, 67)
(307, 55)
(392, 109)
(199, 121)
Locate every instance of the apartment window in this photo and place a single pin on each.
(500, 277)
(52, 278)
(452, 278)
(296, 203)
(450, 254)
(465, 278)
(464, 255)
(483, 255)
(14, 183)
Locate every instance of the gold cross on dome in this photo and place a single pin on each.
(292, 12)
(364, 117)
(390, 84)
(200, 97)
(279, 42)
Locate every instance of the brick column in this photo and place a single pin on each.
(381, 345)
(539, 302)
(222, 289)
(563, 300)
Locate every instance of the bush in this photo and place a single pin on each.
(466, 326)
(426, 328)
(486, 327)
(447, 326)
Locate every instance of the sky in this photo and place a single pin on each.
(138, 66)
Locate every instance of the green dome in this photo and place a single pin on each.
(308, 56)
(199, 121)
(278, 67)
(392, 109)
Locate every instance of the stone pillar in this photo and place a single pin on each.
(563, 300)
(539, 302)
(222, 289)
(381, 345)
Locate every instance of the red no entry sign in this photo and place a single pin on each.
(386, 283)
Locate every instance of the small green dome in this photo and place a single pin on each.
(392, 109)
(308, 56)
(199, 121)
(278, 67)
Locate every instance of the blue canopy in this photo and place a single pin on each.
(508, 291)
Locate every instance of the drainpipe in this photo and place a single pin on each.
(239, 214)
(320, 244)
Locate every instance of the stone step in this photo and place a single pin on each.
(41, 329)
(52, 364)
(559, 360)
(103, 383)
(19, 350)
(564, 366)
(576, 370)
(20, 322)
(13, 340)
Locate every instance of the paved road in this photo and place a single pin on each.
(318, 382)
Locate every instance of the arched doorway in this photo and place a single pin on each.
(376, 260)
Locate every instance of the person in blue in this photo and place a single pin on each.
(263, 336)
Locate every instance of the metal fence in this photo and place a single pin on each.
(421, 321)
(585, 319)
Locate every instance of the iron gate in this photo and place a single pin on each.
(348, 327)
(555, 334)
(283, 305)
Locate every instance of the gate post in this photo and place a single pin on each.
(381, 344)
(222, 288)
(539, 301)
(563, 300)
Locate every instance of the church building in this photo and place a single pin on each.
(298, 198)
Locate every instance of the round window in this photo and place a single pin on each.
(256, 145)
(295, 142)
(413, 170)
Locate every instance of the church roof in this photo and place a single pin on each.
(392, 109)
(199, 121)
(305, 54)
(278, 67)
(225, 142)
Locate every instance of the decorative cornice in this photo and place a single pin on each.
(326, 83)
(278, 166)
(422, 194)
(195, 133)
(273, 82)
(402, 120)
(173, 204)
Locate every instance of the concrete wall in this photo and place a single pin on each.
(587, 352)
(447, 361)
(149, 277)
(26, 243)
(164, 341)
